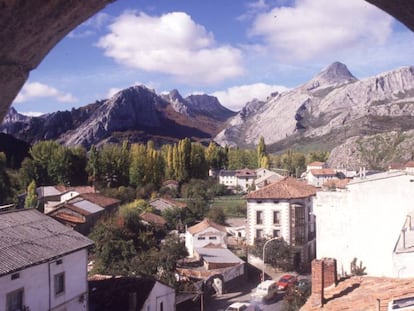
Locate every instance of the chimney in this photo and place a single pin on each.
(317, 283)
(323, 275)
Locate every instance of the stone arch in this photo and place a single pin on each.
(29, 29)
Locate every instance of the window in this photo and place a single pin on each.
(14, 300)
(259, 233)
(276, 217)
(161, 306)
(259, 217)
(276, 233)
(15, 276)
(212, 238)
(201, 238)
(59, 283)
(59, 262)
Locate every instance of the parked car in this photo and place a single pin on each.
(264, 291)
(242, 306)
(285, 281)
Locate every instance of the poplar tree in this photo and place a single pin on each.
(31, 196)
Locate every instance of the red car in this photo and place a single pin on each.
(285, 281)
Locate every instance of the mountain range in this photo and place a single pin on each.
(136, 114)
(332, 108)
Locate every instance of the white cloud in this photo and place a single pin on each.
(236, 97)
(33, 90)
(316, 28)
(112, 91)
(172, 44)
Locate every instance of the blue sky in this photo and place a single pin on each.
(236, 50)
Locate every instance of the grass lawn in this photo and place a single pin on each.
(233, 206)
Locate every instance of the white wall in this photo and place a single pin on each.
(68, 195)
(267, 208)
(192, 241)
(36, 284)
(160, 294)
(364, 222)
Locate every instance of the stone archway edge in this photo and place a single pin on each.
(29, 29)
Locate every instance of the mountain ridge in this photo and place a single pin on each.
(320, 114)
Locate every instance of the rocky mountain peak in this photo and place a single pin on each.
(335, 74)
(178, 103)
(13, 116)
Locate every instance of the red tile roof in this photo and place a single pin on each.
(206, 223)
(361, 293)
(323, 172)
(337, 183)
(99, 199)
(66, 217)
(153, 218)
(246, 173)
(286, 188)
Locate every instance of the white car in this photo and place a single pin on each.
(239, 306)
(265, 291)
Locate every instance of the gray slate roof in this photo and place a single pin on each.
(28, 237)
(218, 255)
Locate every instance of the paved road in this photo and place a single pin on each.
(242, 295)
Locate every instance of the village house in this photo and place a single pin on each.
(108, 293)
(43, 263)
(238, 180)
(50, 196)
(371, 220)
(205, 233)
(206, 243)
(318, 177)
(236, 228)
(283, 209)
(81, 212)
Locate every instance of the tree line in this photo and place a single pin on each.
(137, 165)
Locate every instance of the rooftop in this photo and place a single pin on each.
(323, 172)
(218, 255)
(361, 293)
(153, 219)
(206, 223)
(28, 237)
(286, 188)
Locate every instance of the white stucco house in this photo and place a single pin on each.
(43, 264)
(371, 221)
(130, 293)
(240, 180)
(318, 177)
(205, 233)
(283, 209)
